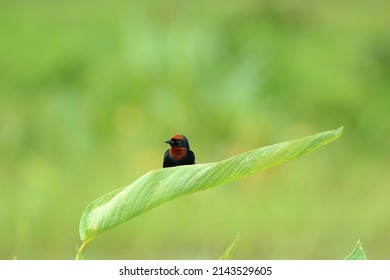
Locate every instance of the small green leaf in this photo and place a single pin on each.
(357, 253)
(161, 185)
(227, 255)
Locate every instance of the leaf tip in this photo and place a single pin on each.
(227, 255)
(340, 130)
(357, 253)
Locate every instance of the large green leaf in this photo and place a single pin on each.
(161, 185)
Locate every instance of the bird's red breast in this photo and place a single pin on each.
(178, 152)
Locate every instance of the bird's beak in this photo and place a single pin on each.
(170, 142)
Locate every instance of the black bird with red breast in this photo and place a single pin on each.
(179, 153)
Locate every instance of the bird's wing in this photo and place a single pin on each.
(192, 155)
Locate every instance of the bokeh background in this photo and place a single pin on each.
(90, 90)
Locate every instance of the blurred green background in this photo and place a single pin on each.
(90, 90)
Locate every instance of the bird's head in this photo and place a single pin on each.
(178, 140)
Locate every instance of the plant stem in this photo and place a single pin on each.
(79, 255)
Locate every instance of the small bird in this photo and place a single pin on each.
(179, 153)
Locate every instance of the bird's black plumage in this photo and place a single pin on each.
(179, 153)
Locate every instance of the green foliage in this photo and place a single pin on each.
(161, 185)
(88, 94)
(357, 253)
(227, 255)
